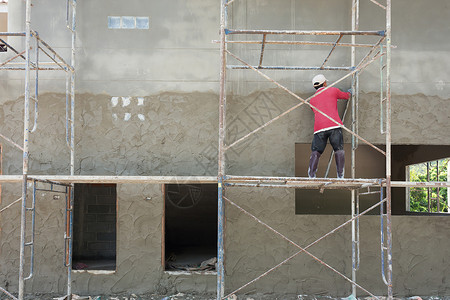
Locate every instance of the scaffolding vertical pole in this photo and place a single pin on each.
(26, 133)
(448, 180)
(388, 146)
(72, 151)
(221, 158)
(68, 240)
(72, 91)
(355, 242)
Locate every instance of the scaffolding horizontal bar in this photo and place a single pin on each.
(303, 32)
(431, 184)
(239, 178)
(284, 68)
(300, 43)
(12, 33)
(296, 182)
(32, 69)
(327, 183)
(301, 182)
(113, 179)
(305, 185)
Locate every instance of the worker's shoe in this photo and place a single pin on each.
(313, 164)
(339, 157)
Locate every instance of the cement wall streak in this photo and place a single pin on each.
(176, 53)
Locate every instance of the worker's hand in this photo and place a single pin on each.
(350, 91)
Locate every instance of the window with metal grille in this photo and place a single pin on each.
(428, 199)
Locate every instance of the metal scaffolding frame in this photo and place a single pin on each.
(355, 185)
(64, 183)
(29, 63)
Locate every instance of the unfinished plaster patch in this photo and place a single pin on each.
(126, 101)
(127, 110)
(114, 101)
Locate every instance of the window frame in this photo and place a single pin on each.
(429, 190)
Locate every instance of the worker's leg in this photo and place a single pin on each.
(318, 145)
(313, 164)
(339, 156)
(337, 142)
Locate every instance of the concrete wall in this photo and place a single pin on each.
(147, 104)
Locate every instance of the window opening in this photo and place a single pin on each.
(190, 227)
(3, 22)
(428, 199)
(94, 232)
(128, 22)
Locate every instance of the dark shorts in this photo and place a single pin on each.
(320, 140)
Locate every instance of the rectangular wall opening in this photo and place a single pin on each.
(427, 199)
(94, 230)
(369, 164)
(190, 227)
(3, 23)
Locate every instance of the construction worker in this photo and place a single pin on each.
(324, 128)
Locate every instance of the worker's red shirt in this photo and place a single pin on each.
(327, 103)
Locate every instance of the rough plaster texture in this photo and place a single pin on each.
(176, 134)
(139, 267)
(255, 250)
(170, 141)
(147, 104)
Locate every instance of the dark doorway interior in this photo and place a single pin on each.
(94, 231)
(190, 227)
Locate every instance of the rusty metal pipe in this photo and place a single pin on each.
(304, 32)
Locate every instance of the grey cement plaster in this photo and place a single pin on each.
(178, 137)
(250, 249)
(173, 67)
(177, 53)
(252, 253)
(176, 134)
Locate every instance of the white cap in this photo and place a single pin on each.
(318, 80)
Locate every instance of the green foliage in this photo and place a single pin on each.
(419, 196)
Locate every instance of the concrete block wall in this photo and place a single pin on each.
(95, 221)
